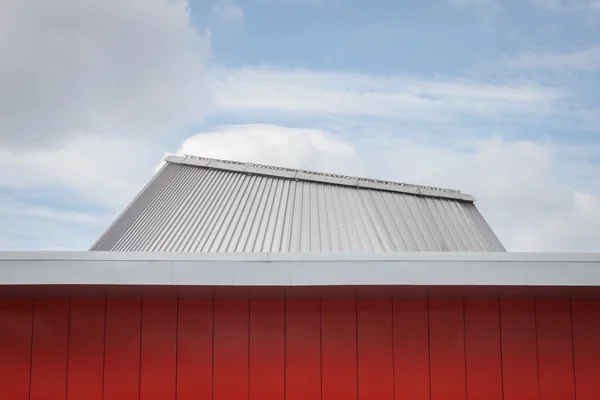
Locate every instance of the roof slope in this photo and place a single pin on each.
(205, 205)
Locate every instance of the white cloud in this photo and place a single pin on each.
(128, 68)
(90, 180)
(228, 11)
(103, 171)
(88, 92)
(316, 93)
(517, 183)
(311, 149)
(520, 191)
(586, 59)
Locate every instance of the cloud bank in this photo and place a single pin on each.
(130, 68)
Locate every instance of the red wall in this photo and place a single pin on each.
(299, 349)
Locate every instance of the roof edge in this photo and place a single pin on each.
(168, 269)
(311, 176)
(303, 257)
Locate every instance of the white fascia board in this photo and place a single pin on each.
(301, 269)
(298, 256)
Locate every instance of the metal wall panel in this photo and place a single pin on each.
(231, 349)
(49, 348)
(483, 349)
(520, 379)
(85, 374)
(411, 349)
(16, 318)
(303, 349)
(122, 349)
(309, 348)
(199, 209)
(555, 349)
(195, 349)
(585, 317)
(375, 349)
(447, 349)
(267, 349)
(158, 349)
(339, 361)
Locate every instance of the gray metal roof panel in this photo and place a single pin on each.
(195, 207)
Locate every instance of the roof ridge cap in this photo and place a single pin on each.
(326, 177)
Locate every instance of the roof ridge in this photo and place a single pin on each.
(324, 177)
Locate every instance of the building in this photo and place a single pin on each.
(226, 280)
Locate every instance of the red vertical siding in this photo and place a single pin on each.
(411, 349)
(195, 349)
(375, 350)
(300, 349)
(519, 349)
(586, 346)
(303, 349)
(49, 350)
(267, 349)
(16, 318)
(555, 349)
(447, 349)
(231, 349)
(339, 364)
(86, 349)
(158, 349)
(122, 349)
(483, 349)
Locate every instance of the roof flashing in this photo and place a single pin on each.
(407, 270)
(321, 177)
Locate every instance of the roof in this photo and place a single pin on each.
(204, 205)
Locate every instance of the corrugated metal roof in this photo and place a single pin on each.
(204, 205)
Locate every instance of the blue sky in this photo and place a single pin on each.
(495, 98)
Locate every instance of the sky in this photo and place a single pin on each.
(499, 99)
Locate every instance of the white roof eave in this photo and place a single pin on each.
(300, 269)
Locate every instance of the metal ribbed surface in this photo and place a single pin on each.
(197, 209)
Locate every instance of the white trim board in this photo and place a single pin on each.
(300, 269)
